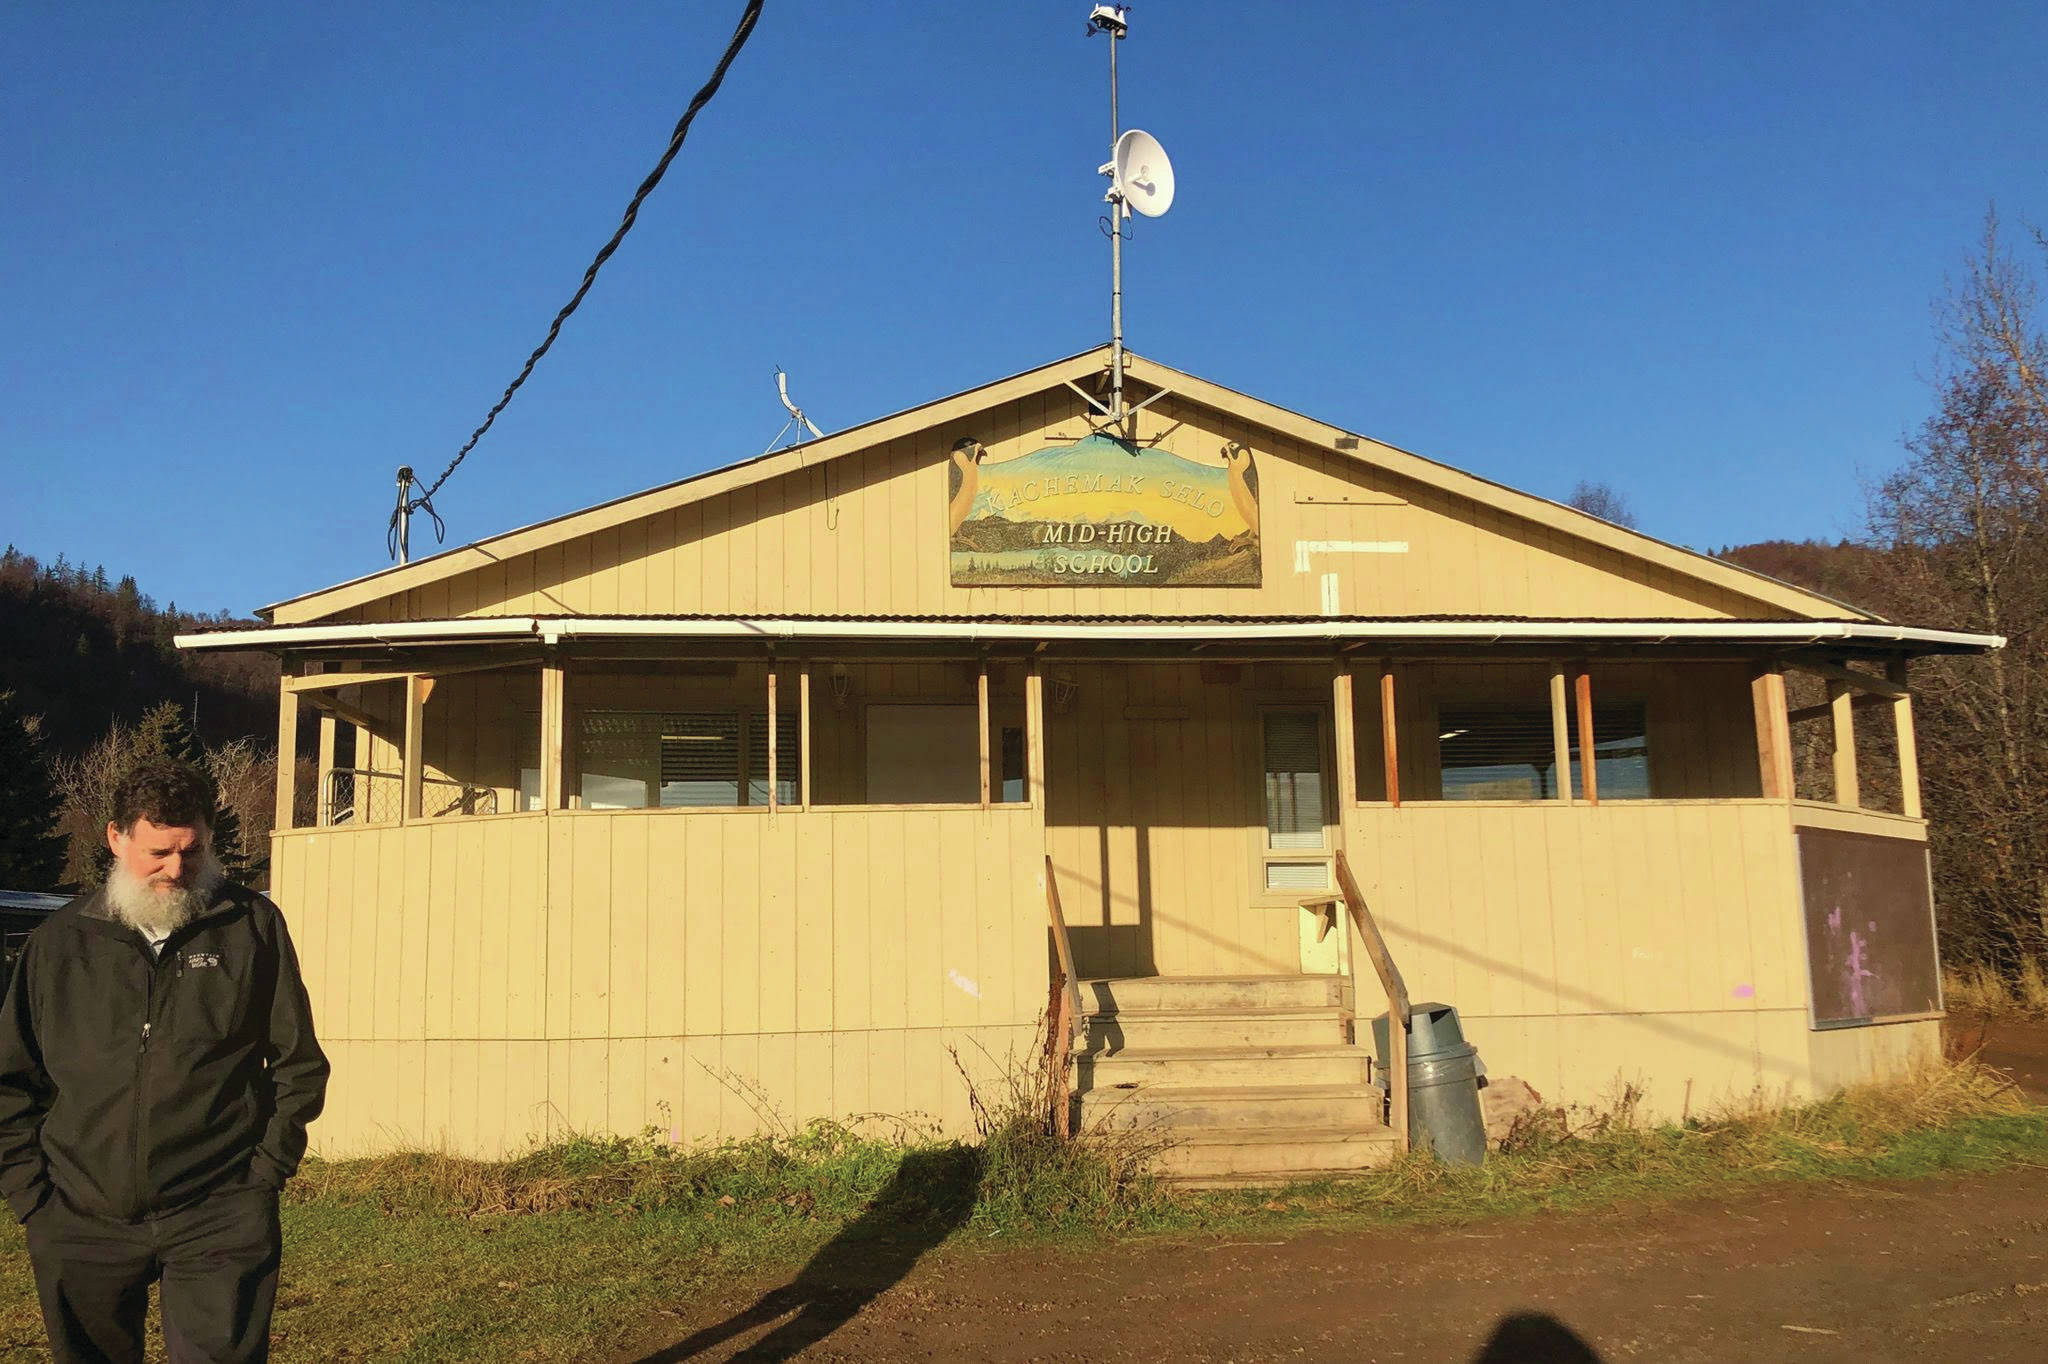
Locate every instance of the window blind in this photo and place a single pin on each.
(700, 759)
(1497, 753)
(787, 743)
(1294, 779)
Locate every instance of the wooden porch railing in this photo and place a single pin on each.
(1062, 1014)
(1398, 1008)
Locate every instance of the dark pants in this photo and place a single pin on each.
(217, 1261)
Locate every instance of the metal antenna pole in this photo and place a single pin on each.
(1116, 255)
(404, 513)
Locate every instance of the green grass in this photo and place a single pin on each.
(575, 1249)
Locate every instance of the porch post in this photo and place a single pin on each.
(1589, 774)
(287, 750)
(323, 812)
(1034, 724)
(1773, 733)
(1909, 744)
(1390, 741)
(413, 784)
(552, 712)
(774, 804)
(1347, 739)
(803, 734)
(1561, 734)
(1842, 706)
(981, 710)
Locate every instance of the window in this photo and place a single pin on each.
(634, 760)
(1012, 770)
(1294, 779)
(1501, 752)
(700, 760)
(1621, 752)
(788, 758)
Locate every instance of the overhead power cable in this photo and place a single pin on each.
(407, 505)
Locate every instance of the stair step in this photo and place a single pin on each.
(1274, 1154)
(1181, 993)
(1111, 1031)
(1271, 1179)
(1182, 1111)
(1215, 1067)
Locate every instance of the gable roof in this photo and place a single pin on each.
(1069, 371)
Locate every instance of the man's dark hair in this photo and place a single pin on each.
(164, 791)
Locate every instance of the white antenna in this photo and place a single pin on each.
(1141, 178)
(796, 414)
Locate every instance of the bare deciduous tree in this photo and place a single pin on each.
(1963, 523)
(1597, 499)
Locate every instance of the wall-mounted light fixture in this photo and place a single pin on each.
(842, 685)
(1063, 688)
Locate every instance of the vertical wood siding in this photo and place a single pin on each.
(1644, 943)
(486, 982)
(866, 534)
(1154, 818)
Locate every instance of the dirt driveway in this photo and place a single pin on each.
(1925, 1270)
(2018, 1046)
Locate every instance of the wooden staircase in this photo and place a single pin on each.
(1250, 1079)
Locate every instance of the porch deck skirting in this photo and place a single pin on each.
(1649, 945)
(484, 982)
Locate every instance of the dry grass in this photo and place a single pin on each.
(1942, 1117)
(571, 1249)
(1983, 990)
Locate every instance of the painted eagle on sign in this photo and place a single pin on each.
(964, 479)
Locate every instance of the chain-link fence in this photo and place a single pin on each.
(361, 795)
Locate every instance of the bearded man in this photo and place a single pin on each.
(157, 1072)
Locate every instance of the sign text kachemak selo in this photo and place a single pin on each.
(1103, 513)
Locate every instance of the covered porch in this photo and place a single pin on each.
(715, 875)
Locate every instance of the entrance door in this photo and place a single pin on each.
(1295, 860)
(1154, 822)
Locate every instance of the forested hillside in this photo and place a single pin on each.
(85, 651)
(89, 680)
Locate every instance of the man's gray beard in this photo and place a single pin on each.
(157, 914)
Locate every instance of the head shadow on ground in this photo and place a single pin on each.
(1534, 1338)
(931, 1196)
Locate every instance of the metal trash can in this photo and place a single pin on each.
(1443, 1084)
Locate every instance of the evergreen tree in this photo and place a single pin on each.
(31, 848)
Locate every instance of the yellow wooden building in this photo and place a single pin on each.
(732, 804)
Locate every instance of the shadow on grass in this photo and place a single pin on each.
(931, 1194)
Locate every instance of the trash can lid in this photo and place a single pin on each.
(1432, 1028)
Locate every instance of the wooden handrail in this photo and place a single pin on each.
(1062, 1013)
(1398, 1008)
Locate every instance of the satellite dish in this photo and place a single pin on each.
(1140, 175)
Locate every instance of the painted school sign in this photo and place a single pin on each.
(1105, 513)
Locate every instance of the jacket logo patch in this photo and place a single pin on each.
(198, 959)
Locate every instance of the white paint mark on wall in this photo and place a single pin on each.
(1304, 548)
(1330, 594)
(962, 983)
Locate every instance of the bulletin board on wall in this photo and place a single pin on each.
(1870, 943)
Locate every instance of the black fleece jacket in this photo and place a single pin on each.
(135, 1084)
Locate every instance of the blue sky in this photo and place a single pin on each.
(259, 255)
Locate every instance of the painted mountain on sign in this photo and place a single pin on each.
(1102, 512)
